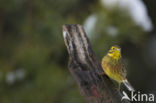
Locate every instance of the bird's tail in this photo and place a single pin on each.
(128, 85)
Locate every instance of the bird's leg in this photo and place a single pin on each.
(118, 89)
(101, 73)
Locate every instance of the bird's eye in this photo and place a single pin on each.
(113, 48)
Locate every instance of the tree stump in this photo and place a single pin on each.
(86, 68)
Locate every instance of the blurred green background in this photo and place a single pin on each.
(33, 57)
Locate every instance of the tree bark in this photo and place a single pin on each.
(86, 68)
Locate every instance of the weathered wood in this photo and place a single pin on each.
(86, 68)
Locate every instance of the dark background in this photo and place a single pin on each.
(33, 57)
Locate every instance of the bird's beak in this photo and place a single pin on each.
(119, 49)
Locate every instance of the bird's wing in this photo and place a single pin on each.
(123, 68)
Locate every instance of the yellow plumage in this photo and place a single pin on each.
(113, 66)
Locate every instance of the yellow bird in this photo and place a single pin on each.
(113, 67)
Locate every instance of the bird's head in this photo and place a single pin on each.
(115, 52)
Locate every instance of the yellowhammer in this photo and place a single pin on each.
(113, 67)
